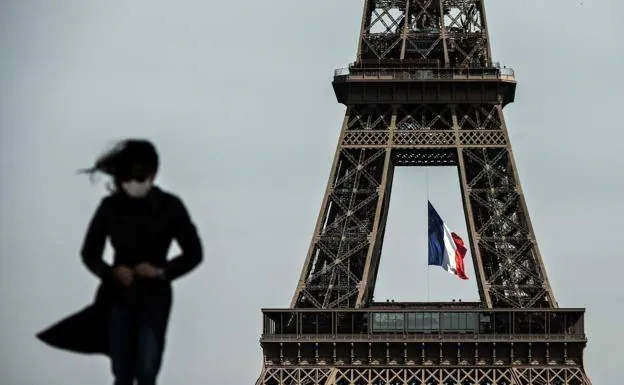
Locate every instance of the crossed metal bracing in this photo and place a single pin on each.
(344, 255)
(424, 117)
(429, 104)
(446, 33)
(341, 247)
(506, 246)
(425, 126)
(423, 376)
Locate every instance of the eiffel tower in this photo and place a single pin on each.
(423, 91)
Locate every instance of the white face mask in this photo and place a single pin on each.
(137, 189)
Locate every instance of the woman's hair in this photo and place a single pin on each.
(125, 158)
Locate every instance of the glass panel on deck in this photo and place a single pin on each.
(446, 321)
(391, 321)
(376, 321)
(420, 321)
(454, 321)
(435, 321)
(399, 323)
(471, 319)
(427, 321)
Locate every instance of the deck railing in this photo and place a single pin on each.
(424, 74)
(435, 324)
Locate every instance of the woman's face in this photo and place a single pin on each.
(138, 188)
(137, 183)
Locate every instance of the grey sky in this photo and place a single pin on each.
(237, 96)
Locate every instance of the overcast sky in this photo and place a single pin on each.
(237, 96)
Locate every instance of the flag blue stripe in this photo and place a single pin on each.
(436, 237)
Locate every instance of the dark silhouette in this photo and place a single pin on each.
(128, 319)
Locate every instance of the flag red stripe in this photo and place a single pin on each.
(459, 256)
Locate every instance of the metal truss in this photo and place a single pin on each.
(507, 255)
(423, 92)
(341, 247)
(501, 375)
(447, 33)
(341, 266)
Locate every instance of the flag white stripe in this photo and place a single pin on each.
(450, 264)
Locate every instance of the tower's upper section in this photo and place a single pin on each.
(424, 51)
(424, 33)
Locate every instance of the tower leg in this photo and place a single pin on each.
(343, 256)
(505, 252)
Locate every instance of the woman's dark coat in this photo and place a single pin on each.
(140, 230)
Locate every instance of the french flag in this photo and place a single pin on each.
(446, 249)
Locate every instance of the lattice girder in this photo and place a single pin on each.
(462, 17)
(345, 250)
(478, 117)
(423, 91)
(504, 244)
(446, 33)
(426, 126)
(504, 375)
(381, 37)
(424, 117)
(339, 251)
(369, 117)
(422, 46)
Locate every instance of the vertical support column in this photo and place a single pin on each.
(366, 13)
(404, 352)
(473, 235)
(484, 27)
(406, 28)
(447, 63)
(323, 211)
(527, 217)
(511, 354)
(367, 284)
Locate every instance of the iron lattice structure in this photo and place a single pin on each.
(423, 91)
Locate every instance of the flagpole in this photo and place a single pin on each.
(427, 181)
(428, 267)
(428, 270)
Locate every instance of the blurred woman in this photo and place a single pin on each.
(128, 320)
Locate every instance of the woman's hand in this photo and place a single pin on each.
(123, 274)
(147, 270)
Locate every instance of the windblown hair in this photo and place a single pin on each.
(123, 157)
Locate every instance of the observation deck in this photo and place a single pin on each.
(425, 334)
(372, 84)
